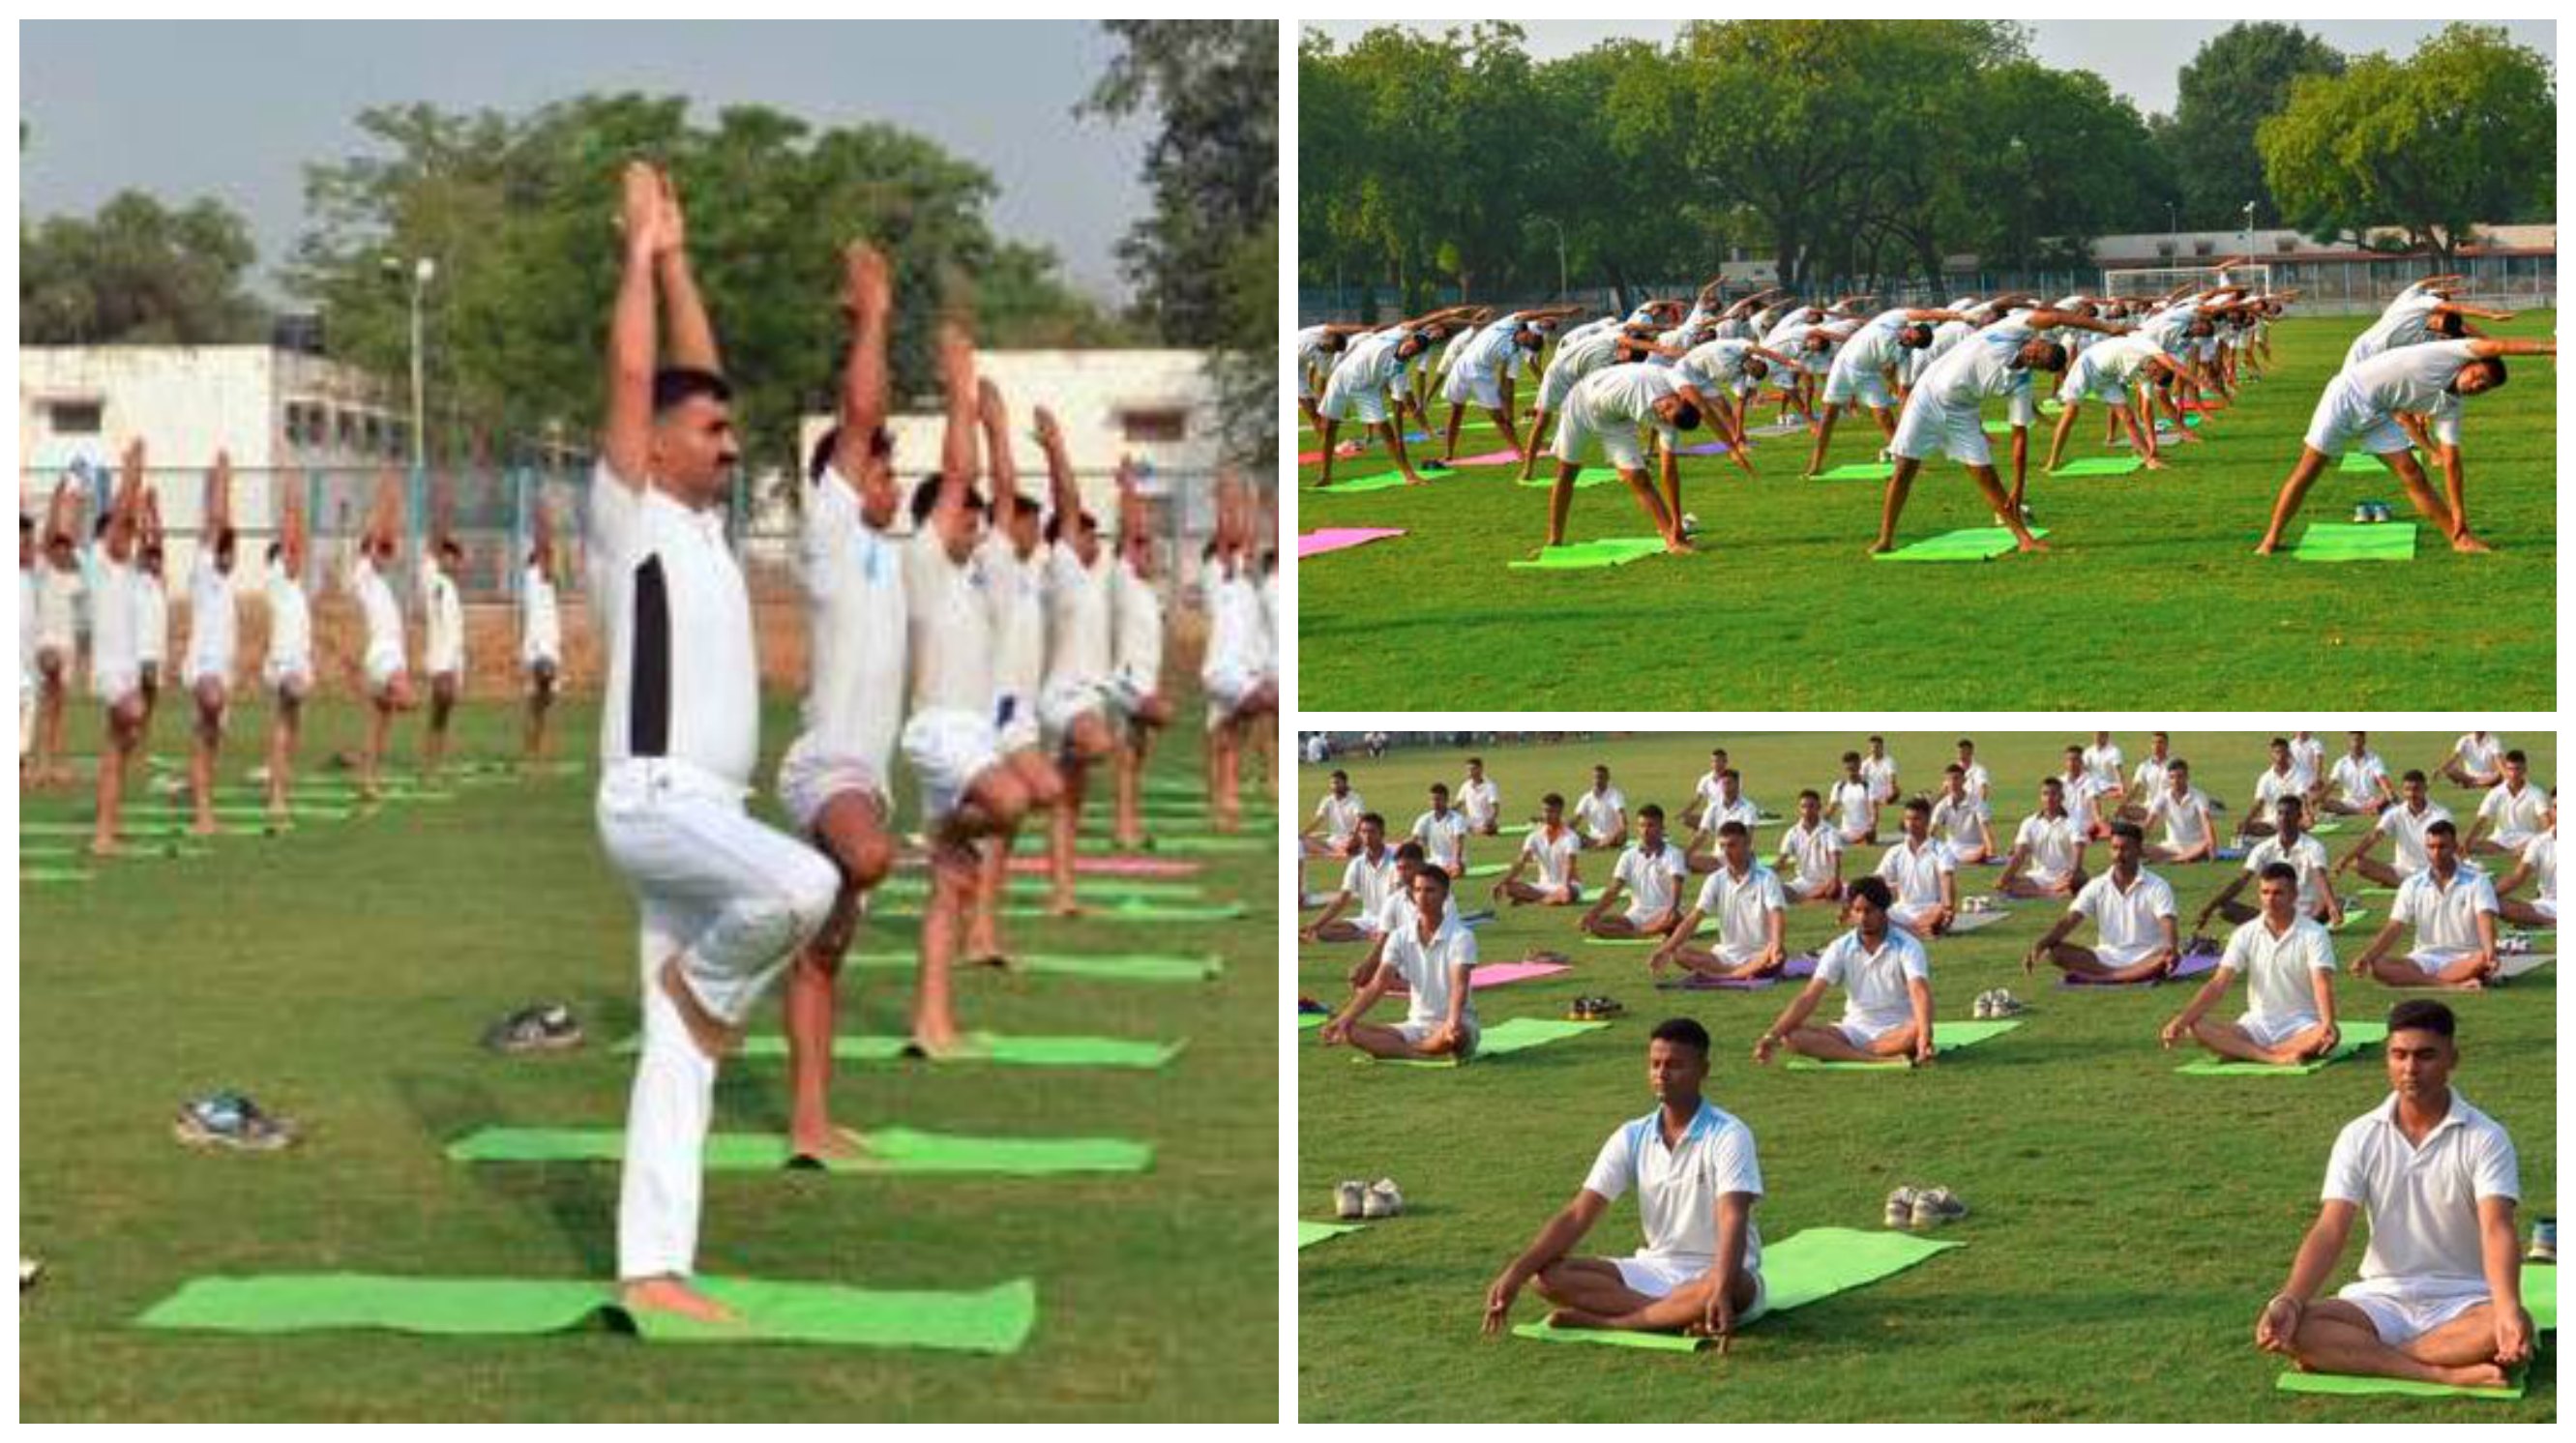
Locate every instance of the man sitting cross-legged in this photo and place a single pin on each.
(1717, 806)
(2191, 835)
(1601, 814)
(1432, 955)
(2402, 824)
(2135, 910)
(1815, 847)
(2288, 963)
(1337, 816)
(1442, 831)
(1752, 913)
(1553, 848)
(1920, 873)
(2538, 863)
(2453, 909)
(2283, 777)
(2510, 812)
(1959, 819)
(2476, 761)
(1367, 881)
(1855, 804)
(1651, 872)
(2291, 843)
(1696, 1178)
(2048, 851)
(1888, 978)
(2358, 784)
(1396, 912)
(2439, 1298)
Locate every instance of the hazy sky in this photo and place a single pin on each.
(234, 109)
(2138, 58)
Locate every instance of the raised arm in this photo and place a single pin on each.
(626, 430)
(867, 300)
(1062, 493)
(219, 495)
(995, 414)
(1131, 500)
(957, 445)
(684, 315)
(125, 505)
(290, 510)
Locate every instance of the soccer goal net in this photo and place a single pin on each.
(2159, 280)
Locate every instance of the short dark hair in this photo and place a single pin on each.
(1650, 810)
(925, 498)
(2422, 1014)
(676, 385)
(1681, 1032)
(1368, 817)
(1440, 789)
(1954, 770)
(2130, 830)
(1410, 852)
(1732, 775)
(1736, 829)
(1553, 799)
(2280, 872)
(1809, 794)
(2444, 826)
(1851, 758)
(1874, 888)
(2415, 775)
(1686, 418)
(1475, 761)
(1437, 874)
(1340, 774)
(2517, 758)
(2289, 804)
(1914, 805)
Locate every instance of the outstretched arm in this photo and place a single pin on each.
(626, 432)
(2486, 346)
(2318, 1252)
(290, 509)
(957, 445)
(1131, 501)
(124, 507)
(867, 299)
(684, 315)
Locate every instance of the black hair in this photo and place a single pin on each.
(2415, 775)
(2289, 804)
(880, 445)
(1687, 418)
(2130, 830)
(1873, 889)
(2517, 758)
(1736, 829)
(2443, 826)
(1681, 1032)
(1809, 794)
(1345, 776)
(1915, 805)
(677, 385)
(1440, 789)
(2054, 358)
(2280, 872)
(1410, 852)
(1553, 799)
(1851, 759)
(2422, 1014)
(1436, 874)
(1650, 810)
(1368, 817)
(1954, 770)
(925, 498)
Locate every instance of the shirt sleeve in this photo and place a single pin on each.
(1708, 892)
(2408, 908)
(1774, 899)
(2088, 902)
(1830, 963)
(2319, 945)
(2494, 1171)
(1615, 1168)
(2346, 1179)
(1733, 1167)
(2234, 958)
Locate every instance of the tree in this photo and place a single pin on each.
(138, 272)
(2463, 131)
(2240, 77)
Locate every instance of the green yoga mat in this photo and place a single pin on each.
(1584, 480)
(1946, 1037)
(1097, 967)
(995, 1320)
(1707, 927)
(53, 876)
(2099, 466)
(894, 1150)
(2356, 1036)
(1797, 1270)
(2367, 461)
(1586, 555)
(1085, 888)
(2347, 1385)
(2346, 541)
(1859, 471)
(1517, 1034)
(1312, 1021)
(1489, 869)
(1134, 909)
(1382, 481)
(985, 1047)
(1309, 1234)
(1206, 844)
(1976, 543)
(298, 811)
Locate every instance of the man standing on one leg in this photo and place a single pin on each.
(1074, 704)
(2134, 909)
(1013, 582)
(1136, 607)
(540, 637)
(443, 647)
(212, 627)
(287, 669)
(116, 673)
(386, 663)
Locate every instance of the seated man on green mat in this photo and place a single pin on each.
(2452, 907)
(1651, 873)
(2509, 814)
(1752, 914)
(1815, 848)
(2439, 1298)
(2147, 781)
(1960, 820)
(2357, 785)
(1921, 875)
(1480, 800)
(1855, 803)
(1697, 1178)
(1553, 848)
(1432, 955)
(2191, 833)
(2048, 850)
(1337, 816)
(2288, 963)
(2360, 406)
(1601, 814)
(2289, 843)
(1888, 1011)
(2403, 825)
(1717, 807)
(2476, 761)
(2135, 910)
(1442, 831)
(1368, 879)
(2538, 863)
(1704, 793)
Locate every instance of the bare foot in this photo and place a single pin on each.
(675, 1297)
(2267, 546)
(1572, 1318)
(2478, 1375)
(937, 1042)
(714, 1036)
(105, 846)
(1678, 546)
(2465, 542)
(829, 1145)
(1879, 548)
(2034, 544)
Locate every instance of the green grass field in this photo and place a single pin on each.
(2126, 1223)
(2151, 600)
(342, 975)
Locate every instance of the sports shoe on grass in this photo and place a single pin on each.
(29, 1269)
(1935, 1206)
(2005, 1004)
(1900, 1208)
(1383, 1201)
(1349, 1198)
(2544, 1241)
(229, 1120)
(550, 1027)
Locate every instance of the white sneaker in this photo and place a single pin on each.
(1349, 1199)
(1935, 1206)
(1383, 1200)
(2006, 1004)
(1985, 1007)
(1900, 1208)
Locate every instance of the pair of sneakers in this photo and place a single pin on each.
(1594, 1009)
(227, 1119)
(1926, 1207)
(2371, 511)
(1999, 1003)
(1356, 1199)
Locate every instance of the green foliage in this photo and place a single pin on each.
(2238, 79)
(2462, 131)
(137, 272)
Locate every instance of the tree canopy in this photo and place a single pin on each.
(138, 272)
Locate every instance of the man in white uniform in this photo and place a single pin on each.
(725, 901)
(1864, 366)
(2283, 778)
(1855, 804)
(2538, 863)
(1553, 848)
(1887, 1013)
(443, 645)
(1074, 702)
(1601, 814)
(385, 661)
(2452, 907)
(1960, 821)
(1651, 873)
(287, 668)
(2102, 761)
(2134, 910)
(1368, 880)
(1920, 876)
(58, 593)
(2290, 842)
(540, 637)
(1433, 957)
(1717, 806)
(2357, 786)
(1750, 908)
(2476, 761)
(1577, 356)
(151, 615)
(1370, 369)
(2048, 851)
(2510, 812)
(2360, 407)
(2439, 1299)
(2288, 964)
(1605, 413)
(1442, 831)
(2191, 834)
(1879, 770)
(1812, 850)
(2114, 372)
(114, 669)
(1337, 816)
(212, 628)
(2403, 824)
(2147, 779)
(1481, 800)
(1486, 365)
(1011, 575)
(1136, 690)
(1697, 1179)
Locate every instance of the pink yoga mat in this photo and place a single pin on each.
(1496, 974)
(1797, 968)
(1704, 448)
(2193, 964)
(1492, 458)
(1337, 538)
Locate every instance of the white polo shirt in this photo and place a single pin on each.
(1620, 398)
(1136, 609)
(443, 618)
(2512, 817)
(1597, 813)
(1678, 1187)
(1077, 615)
(1739, 810)
(1553, 854)
(2131, 919)
(290, 624)
(1960, 820)
(1370, 881)
(1915, 873)
(1880, 773)
(1849, 801)
(683, 671)
(2540, 854)
(1441, 834)
(1874, 981)
(2102, 763)
(2481, 752)
(1813, 849)
(2185, 818)
(2445, 916)
(541, 620)
(1433, 970)
(2422, 1199)
(1976, 782)
(1654, 882)
(2406, 829)
(951, 642)
(212, 624)
(2051, 841)
(1479, 800)
(111, 616)
(2308, 754)
(1014, 597)
(2276, 968)
(1743, 908)
(2309, 856)
(1706, 790)
(1340, 815)
(2149, 779)
(2271, 785)
(2357, 778)
(376, 603)
(2078, 792)
(857, 624)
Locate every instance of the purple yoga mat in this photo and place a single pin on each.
(1336, 538)
(1704, 448)
(1799, 967)
(1491, 458)
(1496, 974)
(2193, 964)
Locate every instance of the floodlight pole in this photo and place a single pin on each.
(422, 270)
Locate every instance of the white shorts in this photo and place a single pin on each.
(948, 747)
(1655, 1277)
(1862, 1034)
(112, 682)
(1805, 888)
(1481, 388)
(1062, 707)
(1366, 924)
(810, 776)
(1228, 682)
(2431, 960)
(2404, 1309)
(2273, 1031)
(1341, 400)
(531, 660)
(1907, 914)
(1928, 429)
(2129, 955)
(2042, 878)
(1416, 1033)
(2082, 383)
(1129, 690)
(2343, 419)
(294, 672)
(1015, 722)
(1555, 384)
(2546, 907)
(202, 669)
(384, 663)
(1574, 440)
(1847, 384)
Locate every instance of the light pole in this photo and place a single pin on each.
(2249, 231)
(423, 270)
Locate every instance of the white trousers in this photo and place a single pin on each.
(733, 900)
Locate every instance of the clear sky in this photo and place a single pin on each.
(234, 109)
(2138, 58)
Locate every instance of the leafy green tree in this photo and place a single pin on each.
(138, 272)
(2238, 79)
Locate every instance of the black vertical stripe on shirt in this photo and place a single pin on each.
(648, 694)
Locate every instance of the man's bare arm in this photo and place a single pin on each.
(684, 314)
(626, 431)
(867, 299)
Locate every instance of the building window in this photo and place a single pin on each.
(1164, 424)
(2286, 244)
(2204, 248)
(76, 418)
(2164, 250)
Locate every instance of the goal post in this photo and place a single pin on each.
(2153, 281)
